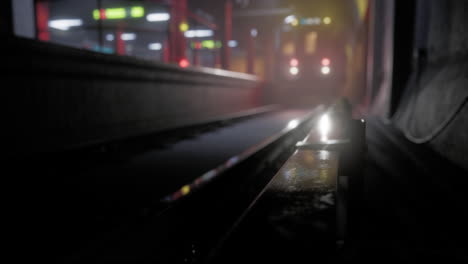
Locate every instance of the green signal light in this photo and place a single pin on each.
(116, 13)
(208, 44)
(137, 11)
(96, 14)
(119, 13)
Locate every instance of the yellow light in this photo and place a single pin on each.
(327, 20)
(295, 22)
(183, 27)
(185, 190)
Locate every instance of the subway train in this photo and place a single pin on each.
(312, 57)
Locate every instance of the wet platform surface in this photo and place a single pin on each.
(294, 218)
(413, 209)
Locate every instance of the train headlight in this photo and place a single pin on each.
(294, 70)
(325, 70)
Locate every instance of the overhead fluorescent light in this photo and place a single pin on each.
(155, 46)
(253, 32)
(199, 33)
(110, 37)
(232, 43)
(128, 36)
(65, 24)
(158, 17)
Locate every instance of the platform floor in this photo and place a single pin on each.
(415, 209)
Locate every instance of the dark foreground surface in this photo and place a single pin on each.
(110, 203)
(413, 209)
(107, 205)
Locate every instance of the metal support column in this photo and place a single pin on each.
(42, 20)
(176, 36)
(250, 52)
(119, 42)
(227, 34)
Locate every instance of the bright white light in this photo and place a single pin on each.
(232, 43)
(155, 46)
(253, 32)
(292, 124)
(294, 70)
(128, 36)
(158, 17)
(324, 127)
(110, 37)
(199, 33)
(65, 24)
(289, 19)
(325, 70)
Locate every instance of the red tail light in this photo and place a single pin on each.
(293, 62)
(325, 61)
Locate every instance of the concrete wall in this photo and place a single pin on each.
(58, 97)
(435, 110)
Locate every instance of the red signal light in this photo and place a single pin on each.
(184, 63)
(293, 62)
(325, 61)
(102, 14)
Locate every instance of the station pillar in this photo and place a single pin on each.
(227, 34)
(42, 20)
(177, 25)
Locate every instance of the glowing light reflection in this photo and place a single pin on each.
(292, 124)
(324, 127)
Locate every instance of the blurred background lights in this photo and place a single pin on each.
(65, 24)
(199, 33)
(232, 43)
(253, 32)
(158, 17)
(128, 36)
(183, 27)
(155, 46)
